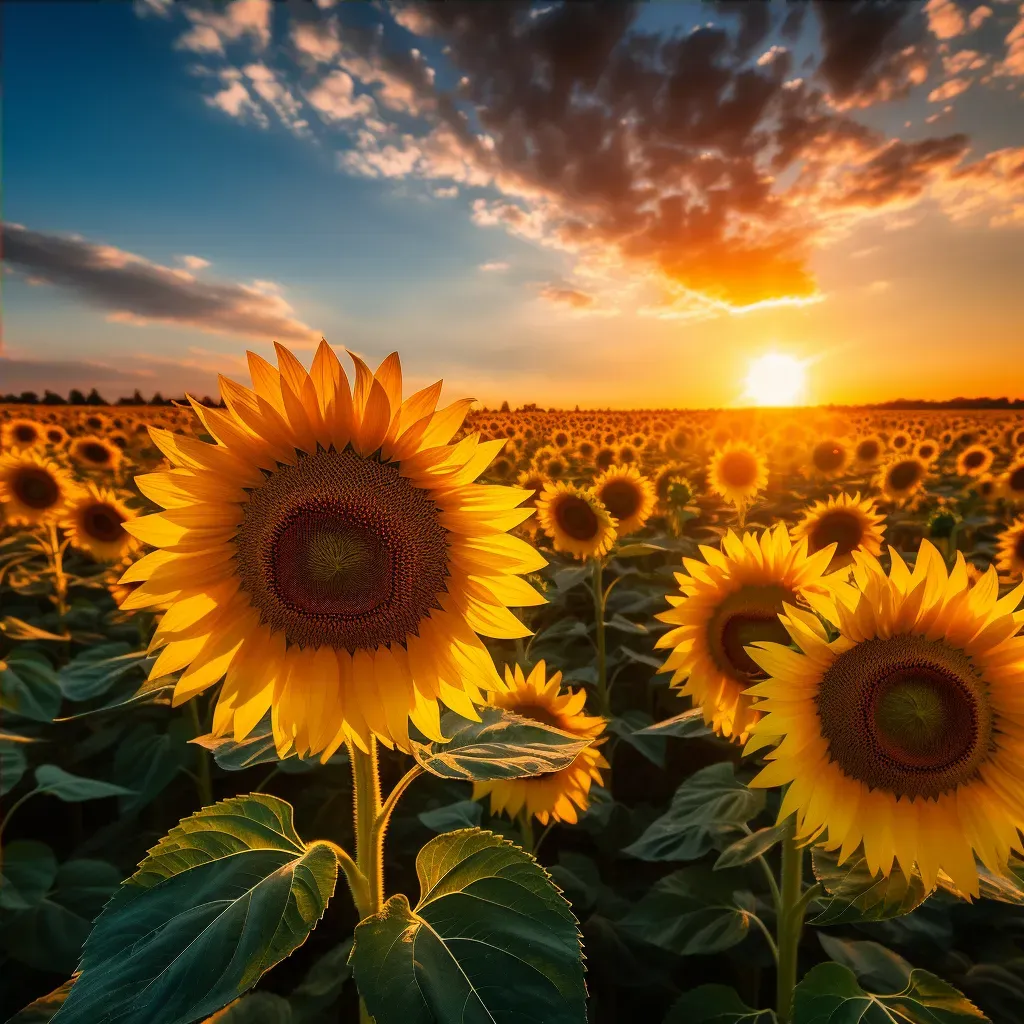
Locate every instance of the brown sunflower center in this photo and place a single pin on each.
(538, 713)
(841, 528)
(904, 475)
(900, 441)
(342, 551)
(738, 469)
(102, 522)
(555, 468)
(867, 451)
(622, 498)
(92, 451)
(905, 715)
(1018, 547)
(747, 616)
(35, 488)
(604, 458)
(24, 433)
(54, 436)
(1015, 481)
(828, 456)
(972, 460)
(577, 518)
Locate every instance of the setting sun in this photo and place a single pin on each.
(776, 379)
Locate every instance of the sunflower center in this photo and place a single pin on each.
(867, 451)
(843, 529)
(54, 436)
(747, 616)
(972, 460)
(905, 715)
(342, 551)
(538, 713)
(904, 475)
(828, 456)
(1018, 548)
(93, 452)
(102, 523)
(577, 518)
(35, 488)
(621, 498)
(738, 469)
(24, 433)
(1015, 481)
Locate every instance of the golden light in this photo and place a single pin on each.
(776, 379)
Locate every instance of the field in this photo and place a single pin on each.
(307, 595)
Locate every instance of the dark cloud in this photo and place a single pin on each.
(136, 290)
(17, 375)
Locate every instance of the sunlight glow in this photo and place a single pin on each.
(776, 379)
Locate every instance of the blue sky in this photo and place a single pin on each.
(184, 181)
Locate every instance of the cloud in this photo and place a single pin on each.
(567, 296)
(193, 262)
(242, 20)
(135, 290)
(278, 97)
(948, 90)
(495, 266)
(235, 100)
(1013, 63)
(945, 19)
(335, 100)
(61, 374)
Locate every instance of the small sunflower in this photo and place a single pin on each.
(556, 796)
(33, 489)
(927, 450)
(1011, 483)
(868, 451)
(901, 478)
(91, 452)
(55, 435)
(726, 602)
(604, 457)
(1010, 549)
(851, 523)
(900, 441)
(94, 521)
(737, 472)
(627, 454)
(905, 734)
(629, 497)
(830, 457)
(556, 467)
(575, 520)
(974, 461)
(332, 555)
(21, 433)
(673, 473)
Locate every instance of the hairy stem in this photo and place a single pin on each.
(790, 921)
(603, 702)
(204, 782)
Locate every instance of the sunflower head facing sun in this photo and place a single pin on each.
(95, 453)
(904, 734)
(557, 796)
(628, 495)
(725, 603)
(850, 522)
(94, 521)
(33, 489)
(331, 557)
(576, 520)
(737, 472)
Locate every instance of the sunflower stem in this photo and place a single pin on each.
(204, 782)
(789, 922)
(603, 702)
(526, 830)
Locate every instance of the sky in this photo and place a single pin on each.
(609, 205)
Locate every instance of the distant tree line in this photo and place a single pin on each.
(950, 403)
(76, 397)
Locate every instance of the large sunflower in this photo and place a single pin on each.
(731, 599)
(628, 495)
(901, 478)
(1010, 549)
(906, 733)
(575, 520)
(974, 461)
(20, 433)
(737, 472)
(1011, 483)
(94, 521)
(850, 522)
(557, 795)
(33, 489)
(331, 554)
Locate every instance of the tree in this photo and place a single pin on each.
(28, 397)
(504, 407)
(95, 398)
(52, 398)
(75, 397)
(158, 399)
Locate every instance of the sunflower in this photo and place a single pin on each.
(731, 599)
(33, 489)
(900, 441)
(737, 472)
(902, 477)
(629, 497)
(868, 451)
(673, 473)
(331, 554)
(91, 452)
(55, 435)
(20, 433)
(556, 467)
(604, 457)
(974, 461)
(830, 457)
(905, 733)
(557, 795)
(927, 450)
(575, 520)
(851, 523)
(1010, 548)
(1011, 484)
(534, 482)
(94, 521)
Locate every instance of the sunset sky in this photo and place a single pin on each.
(605, 206)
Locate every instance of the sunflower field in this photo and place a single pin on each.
(331, 704)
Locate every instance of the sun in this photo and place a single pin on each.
(776, 379)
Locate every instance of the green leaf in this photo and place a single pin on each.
(19, 629)
(694, 910)
(877, 967)
(708, 807)
(74, 788)
(571, 576)
(749, 848)
(638, 550)
(259, 747)
(1008, 888)
(715, 1004)
(97, 668)
(623, 625)
(84, 885)
(500, 746)
(47, 936)
(41, 1010)
(491, 939)
(686, 726)
(29, 685)
(630, 727)
(12, 765)
(29, 869)
(464, 814)
(829, 994)
(854, 895)
(152, 691)
(228, 893)
(150, 760)
(322, 984)
(255, 1008)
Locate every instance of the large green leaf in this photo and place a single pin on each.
(829, 994)
(12, 765)
(147, 760)
(152, 691)
(74, 788)
(630, 727)
(750, 847)
(694, 910)
(500, 746)
(97, 668)
(255, 1008)
(29, 686)
(491, 940)
(715, 1004)
(228, 893)
(259, 747)
(854, 895)
(29, 869)
(876, 966)
(687, 725)
(1008, 888)
(707, 811)
(464, 814)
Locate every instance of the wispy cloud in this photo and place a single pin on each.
(193, 262)
(494, 266)
(135, 290)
